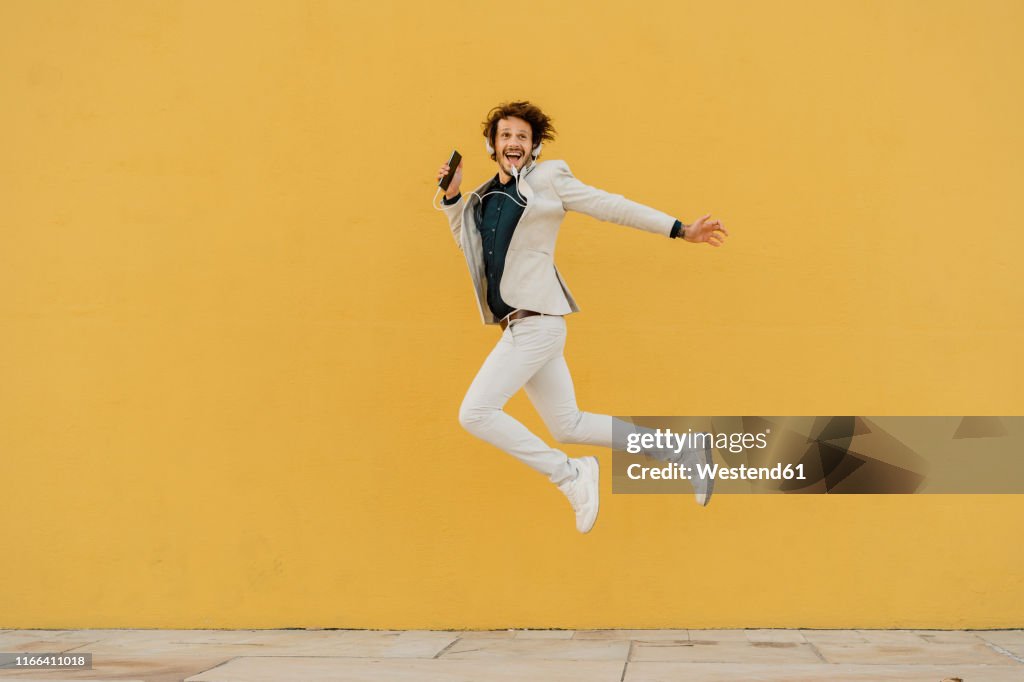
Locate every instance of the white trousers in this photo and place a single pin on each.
(530, 355)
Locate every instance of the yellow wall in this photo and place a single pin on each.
(234, 336)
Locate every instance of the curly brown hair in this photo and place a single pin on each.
(540, 123)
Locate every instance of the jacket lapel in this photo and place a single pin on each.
(471, 244)
(527, 193)
(524, 187)
(470, 237)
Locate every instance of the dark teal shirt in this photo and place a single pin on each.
(496, 219)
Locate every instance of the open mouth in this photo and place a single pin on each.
(513, 156)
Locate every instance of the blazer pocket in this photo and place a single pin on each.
(530, 272)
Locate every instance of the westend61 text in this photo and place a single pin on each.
(676, 471)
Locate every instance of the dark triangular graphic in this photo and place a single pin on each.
(823, 464)
(980, 427)
(837, 428)
(853, 455)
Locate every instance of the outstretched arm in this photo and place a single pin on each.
(614, 208)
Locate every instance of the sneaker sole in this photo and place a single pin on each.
(708, 460)
(597, 495)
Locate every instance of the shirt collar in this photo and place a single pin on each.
(496, 182)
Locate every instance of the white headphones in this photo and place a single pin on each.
(535, 153)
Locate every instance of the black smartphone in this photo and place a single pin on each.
(453, 164)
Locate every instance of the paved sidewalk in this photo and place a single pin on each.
(528, 655)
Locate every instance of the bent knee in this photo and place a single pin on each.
(473, 417)
(568, 430)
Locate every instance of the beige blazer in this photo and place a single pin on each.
(530, 280)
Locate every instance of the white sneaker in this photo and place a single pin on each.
(583, 492)
(702, 487)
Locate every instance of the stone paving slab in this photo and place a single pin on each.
(41, 641)
(731, 672)
(545, 634)
(485, 634)
(947, 637)
(729, 651)
(718, 635)
(540, 649)
(1008, 640)
(841, 636)
(259, 669)
(641, 635)
(794, 636)
(894, 637)
(893, 654)
(226, 644)
(1007, 637)
(123, 667)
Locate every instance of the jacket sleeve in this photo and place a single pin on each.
(613, 208)
(454, 213)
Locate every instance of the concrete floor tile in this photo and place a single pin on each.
(285, 669)
(119, 640)
(947, 637)
(419, 644)
(408, 644)
(1014, 651)
(642, 635)
(897, 654)
(897, 637)
(1000, 636)
(123, 667)
(731, 672)
(775, 636)
(41, 646)
(38, 641)
(544, 634)
(485, 634)
(1010, 640)
(841, 636)
(365, 643)
(726, 652)
(718, 635)
(540, 649)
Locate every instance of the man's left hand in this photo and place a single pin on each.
(712, 232)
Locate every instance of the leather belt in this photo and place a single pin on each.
(517, 315)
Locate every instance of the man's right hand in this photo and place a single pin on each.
(453, 187)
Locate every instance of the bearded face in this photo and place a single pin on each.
(513, 143)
